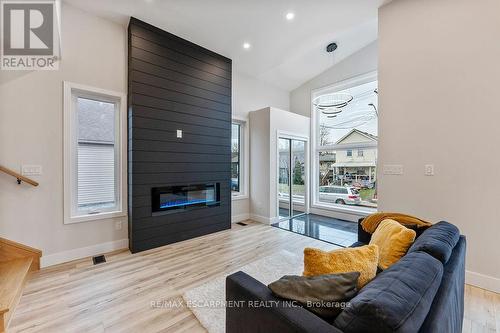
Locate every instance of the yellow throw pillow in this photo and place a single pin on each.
(362, 259)
(393, 240)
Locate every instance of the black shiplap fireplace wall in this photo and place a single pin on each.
(173, 85)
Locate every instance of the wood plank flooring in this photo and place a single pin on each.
(117, 296)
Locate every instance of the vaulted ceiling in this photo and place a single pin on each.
(284, 53)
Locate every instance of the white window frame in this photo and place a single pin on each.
(314, 187)
(299, 137)
(71, 92)
(244, 160)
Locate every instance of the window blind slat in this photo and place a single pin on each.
(96, 174)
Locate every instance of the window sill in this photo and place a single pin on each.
(237, 197)
(94, 217)
(361, 212)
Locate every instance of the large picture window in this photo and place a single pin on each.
(346, 135)
(94, 153)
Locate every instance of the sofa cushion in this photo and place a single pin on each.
(358, 244)
(362, 259)
(256, 309)
(447, 310)
(393, 240)
(397, 300)
(438, 241)
(324, 295)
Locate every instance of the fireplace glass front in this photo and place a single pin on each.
(182, 197)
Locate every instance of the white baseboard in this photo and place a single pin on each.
(82, 252)
(261, 219)
(275, 220)
(482, 281)
(240, 217)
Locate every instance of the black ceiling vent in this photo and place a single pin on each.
(331, 47)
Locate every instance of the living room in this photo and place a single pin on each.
(220, 166)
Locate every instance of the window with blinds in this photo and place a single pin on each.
(94, 126)
(96, 176)
(96, 189)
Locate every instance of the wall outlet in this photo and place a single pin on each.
(118, 225)
(31, 170)
(393, 169)
(429, 170)
(179, 134)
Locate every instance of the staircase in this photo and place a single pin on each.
(16, 263)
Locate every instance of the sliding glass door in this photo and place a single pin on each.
(291, 177)
(284, 178)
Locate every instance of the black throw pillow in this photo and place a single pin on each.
(325, 295)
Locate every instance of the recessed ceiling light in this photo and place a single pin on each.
(246, 45)
(289, 16)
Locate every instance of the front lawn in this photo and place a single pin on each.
(297, 189)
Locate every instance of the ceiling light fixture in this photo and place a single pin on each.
(289, 16)
(246, 45)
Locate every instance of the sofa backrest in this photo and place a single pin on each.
(443, 242)
(397, 300)
(438, 241)
(447, 310)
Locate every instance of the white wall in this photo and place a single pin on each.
(439, 74)
(362, 62)
(260, 176)
(31, 113)
(295, 125)
(250, 94)
(265, 124)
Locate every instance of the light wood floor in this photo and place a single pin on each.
(117, 296)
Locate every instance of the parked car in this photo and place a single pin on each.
(343, 195)
(357, 185)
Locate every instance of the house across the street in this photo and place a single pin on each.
(356, 163)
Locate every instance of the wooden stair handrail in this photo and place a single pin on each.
(20, 178)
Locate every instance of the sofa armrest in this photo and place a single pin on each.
(363, 236)
(251, 307)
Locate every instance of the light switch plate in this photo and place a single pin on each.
(429, 170)
(31, 170)
(393, 169)
(179, 134)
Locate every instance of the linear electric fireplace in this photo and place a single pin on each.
(174, 198)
